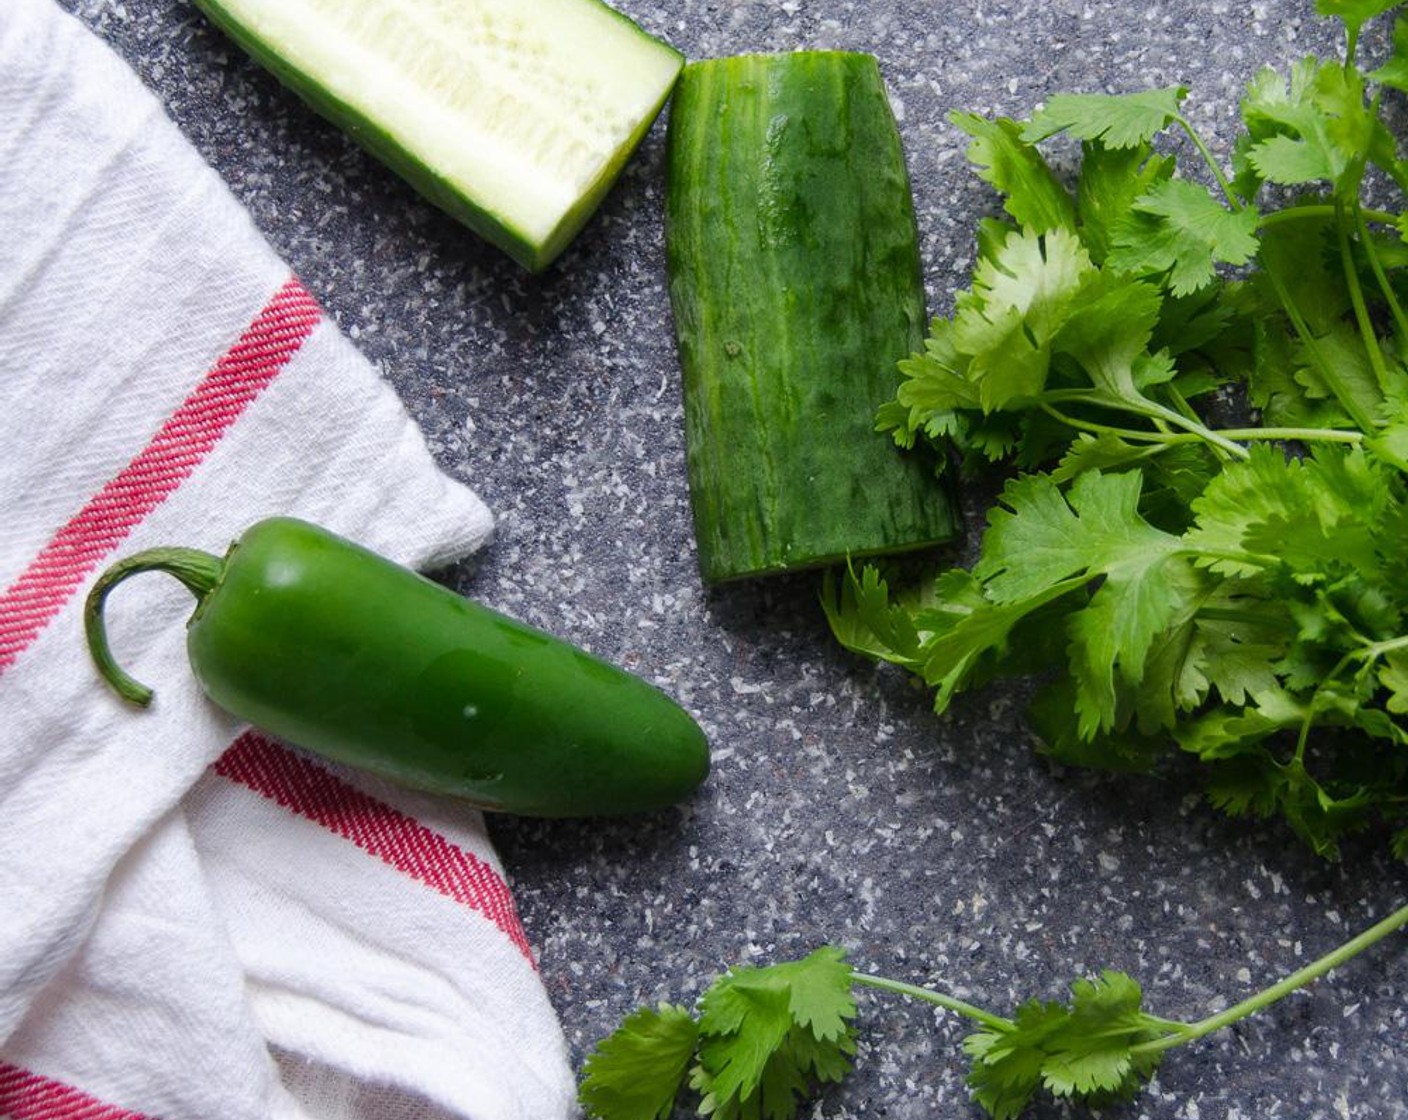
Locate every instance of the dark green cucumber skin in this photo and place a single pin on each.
(424, 179)
(795, 282)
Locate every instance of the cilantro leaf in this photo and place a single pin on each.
(1289, 160)
(742, 1026)
(767, 1032)
(1112, 637)
(1045, 538)
(1394, 677)
(1178, 228)
(1263, 489)
(1341, 349)
(1034, 275)
(1240, 648)
(1123, 750)
(1317, 128)
(1317, 519)
(1111, 179)
(1355, 13)
(1031, 192)
(1104, 452)
(864, 620)
(1290, 141)
(933, 391)
(1123, 120)
(1040, 537)
(818, 989)
(1394, 72)
(1108, 330)
(1321, 376)
(1005, 1065)
(637, 1072)
(1043, 543)
(793, 1068)
(1019, 297)
(1083, 1050)
(961, 632)
(763, 1038)
(967, 630)
(1093, 1055)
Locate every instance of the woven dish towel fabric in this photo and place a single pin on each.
(196, 922)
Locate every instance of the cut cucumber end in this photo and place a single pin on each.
(514, 116)
(795, 281)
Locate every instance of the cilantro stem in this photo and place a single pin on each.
(1322, 364)
(1216, 169)
(1326, 210)
(1270, 435)
(1161, 438)
(1252, 559)
(1372, 651)
(1180, 402)
(1395, 308)
(928, 995)
(1299, 435)
(1296, 766)
(1267, 996)
(1356, 299)
(1150, 410)
(1157, 410)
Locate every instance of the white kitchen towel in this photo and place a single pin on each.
(197, 923)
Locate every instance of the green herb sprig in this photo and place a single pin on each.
(1237, 590)
(767, 1036)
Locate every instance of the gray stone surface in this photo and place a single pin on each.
(841, 809)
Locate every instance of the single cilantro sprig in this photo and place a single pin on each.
(765, 1035)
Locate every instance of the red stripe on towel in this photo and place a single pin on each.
(28, 1096)
(377, 828)
(178, 447)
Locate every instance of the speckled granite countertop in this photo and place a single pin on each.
(840, 809)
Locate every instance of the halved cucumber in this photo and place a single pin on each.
(515, 116)
(795, 281)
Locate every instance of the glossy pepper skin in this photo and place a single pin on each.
(338, 650)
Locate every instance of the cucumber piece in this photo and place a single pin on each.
(793, 263)
(514, 116)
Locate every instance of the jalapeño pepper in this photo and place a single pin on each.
(333, 648)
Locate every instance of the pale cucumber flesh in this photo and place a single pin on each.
(516, 115)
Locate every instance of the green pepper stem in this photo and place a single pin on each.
(198, 571)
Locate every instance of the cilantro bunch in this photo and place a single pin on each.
(1199, 379)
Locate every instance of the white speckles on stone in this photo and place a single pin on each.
(839, 807)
